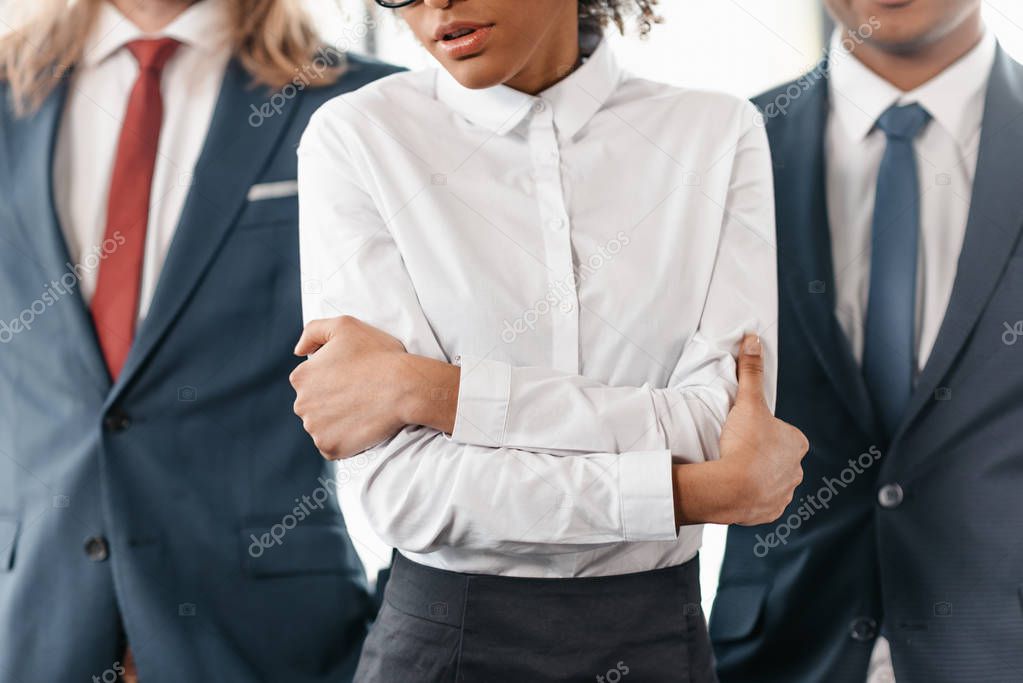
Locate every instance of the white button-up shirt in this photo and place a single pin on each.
(91, 127)
(591, 257)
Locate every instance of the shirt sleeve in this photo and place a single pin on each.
(421, 490)
(539, 408)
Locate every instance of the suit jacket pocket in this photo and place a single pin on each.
(301, 549)
(738, 612)
(275, 211)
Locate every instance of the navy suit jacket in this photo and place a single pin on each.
(173, 470)
(923, 535)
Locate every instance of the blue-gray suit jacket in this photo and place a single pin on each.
(927, 541)
(137, 502)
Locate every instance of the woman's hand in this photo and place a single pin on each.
(346, 388)
(761, 459)
(360, 387)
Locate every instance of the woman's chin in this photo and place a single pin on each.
(476, 73)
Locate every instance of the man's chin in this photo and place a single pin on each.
(902, 40)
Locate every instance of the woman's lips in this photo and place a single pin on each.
(466, 45)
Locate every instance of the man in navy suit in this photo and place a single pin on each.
(900, 207)
(158, 497)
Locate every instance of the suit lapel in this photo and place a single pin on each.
(804, 244)
(31, 141)
(996, 216)
(233, 156)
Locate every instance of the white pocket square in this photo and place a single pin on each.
(284, 188)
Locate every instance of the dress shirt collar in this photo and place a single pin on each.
(954, 98)
(574, 100)
(204, 25)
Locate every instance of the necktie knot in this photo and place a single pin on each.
(905, 122)
(153, 54)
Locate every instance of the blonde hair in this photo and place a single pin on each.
(270, 38)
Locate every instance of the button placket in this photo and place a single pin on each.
(557, 238)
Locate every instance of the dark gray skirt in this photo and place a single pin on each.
(439, 626)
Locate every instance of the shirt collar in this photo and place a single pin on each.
(574, 100)
(204, 25)
(954, 98)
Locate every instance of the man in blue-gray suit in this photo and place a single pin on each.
(900, 207)
(159, 501)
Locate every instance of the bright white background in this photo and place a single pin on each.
(739, 46)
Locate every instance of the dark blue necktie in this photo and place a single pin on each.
(889, 348)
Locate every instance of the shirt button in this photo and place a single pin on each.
(566, 307)
(116, 421)
(96, 549)
(863, 629)
(539, 106)
(556, 224)
(890, 496)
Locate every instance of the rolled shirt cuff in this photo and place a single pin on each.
(484, 390)
(648, 501)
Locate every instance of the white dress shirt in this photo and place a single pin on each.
(91, 126)
(947, 161)
(591, 256)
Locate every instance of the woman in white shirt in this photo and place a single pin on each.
(568, 258)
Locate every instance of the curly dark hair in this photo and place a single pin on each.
(599, 14)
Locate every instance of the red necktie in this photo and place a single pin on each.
(115, 303)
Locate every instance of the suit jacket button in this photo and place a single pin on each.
(96, 549)
(890, 496)
(116, 421)
(863, 629)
